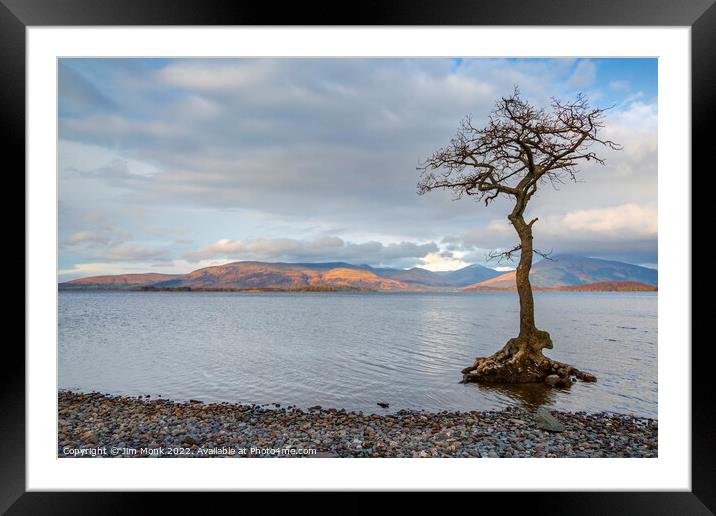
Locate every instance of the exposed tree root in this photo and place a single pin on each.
(521, 361)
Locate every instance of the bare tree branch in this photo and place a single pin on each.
(509, 255)
(520, 147)
(547, 255)
(504, 255)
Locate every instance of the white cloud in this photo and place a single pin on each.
(215, 75)
(625, 221)
(639, 116)
(619, 85)
(129, 251)
(277, 151)
(85, 237)
(441, 262)
(86, 269)
(329, 248)
(584, 74)
(622, 222)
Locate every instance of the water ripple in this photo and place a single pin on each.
(351, 350)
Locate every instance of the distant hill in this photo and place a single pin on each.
(564, 272)
(290, 276)
(415, 276)
(469, 275)
(448, 279)
(119, 281)
(570, 270)
(249, 276)
(602, 286)
(611, 286)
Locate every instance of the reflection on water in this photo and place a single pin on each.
(352, 350)
(529, 396)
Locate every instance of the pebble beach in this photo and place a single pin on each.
(100, 425)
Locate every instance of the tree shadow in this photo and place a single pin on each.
(530, 395)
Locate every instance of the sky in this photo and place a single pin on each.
(170, 165)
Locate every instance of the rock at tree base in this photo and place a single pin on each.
(555, 380)
(546, 421)
(545, 371)
(517, 363)
(563, 381)
(587, 377)
(552, 380)
(501, 369)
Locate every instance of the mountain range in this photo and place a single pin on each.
(564, 272)
(569, 271)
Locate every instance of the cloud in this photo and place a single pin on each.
(101, 234)
(628, 230)
(129, 251)
(325, 249)
(217, 75)
(86, 269)
(335, 145)
(280, 153)
(442, 262)
(625, 221)
(78, 95)
(86, 237)
(109, 243)
(584, 74)
(116, 173)
(640, 116)
(619, 85)
(622, 222)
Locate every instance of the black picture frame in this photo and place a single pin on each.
(700, 15)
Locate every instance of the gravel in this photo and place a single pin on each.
(100, 425)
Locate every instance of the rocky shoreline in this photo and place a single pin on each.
(99, 425)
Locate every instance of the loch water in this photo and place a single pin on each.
(352, 349)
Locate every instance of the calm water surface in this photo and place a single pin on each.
(350, 350)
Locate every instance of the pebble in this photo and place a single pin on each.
(546, 421)
(96, 420)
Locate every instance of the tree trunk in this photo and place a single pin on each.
(521, 360)
(528, 345)
(522, 280)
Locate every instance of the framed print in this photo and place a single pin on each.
(440, 248)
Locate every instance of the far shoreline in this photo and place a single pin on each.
(351, 290)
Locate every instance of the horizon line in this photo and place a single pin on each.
(501, 268)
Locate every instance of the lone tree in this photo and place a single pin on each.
(520, 149)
